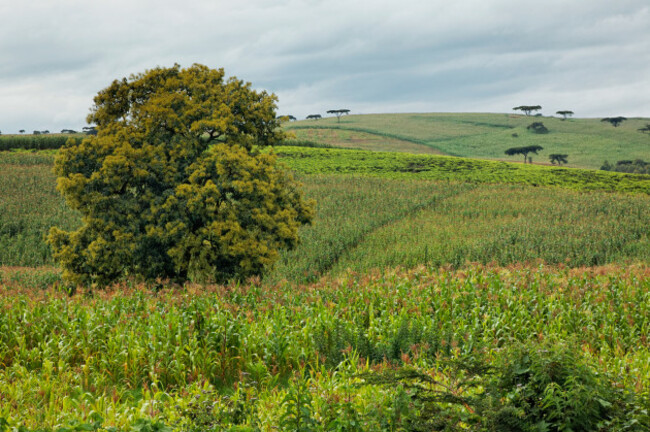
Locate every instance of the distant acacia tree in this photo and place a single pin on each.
(89, 130)
(68, 131)
(524, 151)
(314, 117)
(286, 118)
(558, 158)
(338, 113)
(537, 127)
(37, 132)
(565, 114)
(615, 121)
(527, 109)
(22, 131)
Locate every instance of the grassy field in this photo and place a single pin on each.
(366, 222)
(211, 358)
(588, 142)
(35, 142)
(430, 167)
(29, 206)
(413, 263)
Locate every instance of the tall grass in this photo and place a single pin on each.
(368, 222)
(509, 224)
(29, 206)
(35, 142)
(127, 353)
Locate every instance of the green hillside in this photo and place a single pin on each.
(378, 209)
(588, 142)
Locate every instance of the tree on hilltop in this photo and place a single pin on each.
(338, 113)
(173, 186)
(524, 151)
(614, 121)
(565, 114)
(313, 117)
(527, 109)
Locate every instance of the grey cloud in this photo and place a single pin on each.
(468, 55)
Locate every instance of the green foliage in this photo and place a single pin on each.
(430, 167)
(34, 142)
(366, 222)
(338, 113)
(565, 114)
(550, 387)
(214, 358)
(637, 166)
(614, 121)
(525, 150)
(479, 135)
(531, 387)
(29, 206)
(537, 127)
(298, 414)
(527, 109)
(172, 185)
(558, 158)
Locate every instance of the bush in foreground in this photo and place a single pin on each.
(533, 387)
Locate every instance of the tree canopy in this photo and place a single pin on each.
(614, 121)
(524, 151)
(174, 184)
(527, 109)
(645, 129)
(557, 158)
(338, 113)
(537, 127)
(565, 114)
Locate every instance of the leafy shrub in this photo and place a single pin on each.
(532, 387)
(537, 127)
(637, 166)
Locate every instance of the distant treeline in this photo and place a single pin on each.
(33, 142)
(637, 166)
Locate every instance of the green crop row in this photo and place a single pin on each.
(246, 352)
(34, 142)
(432, 167)
(366, 222)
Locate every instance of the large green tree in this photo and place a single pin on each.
(175, 185)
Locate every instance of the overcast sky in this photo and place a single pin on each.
(370, 56)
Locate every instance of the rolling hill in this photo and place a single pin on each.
(587, 142)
